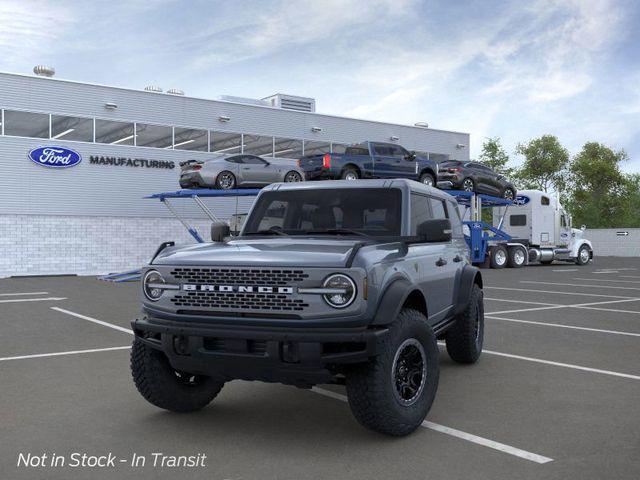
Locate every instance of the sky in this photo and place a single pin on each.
(509, 69)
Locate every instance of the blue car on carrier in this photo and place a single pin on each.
(370, 160)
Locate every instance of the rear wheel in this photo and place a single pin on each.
(292, 176)
(517, 257)
(499, 256)
(350, 173)
(468, 185)
(163, 386)
(465, 338)
(428, 180)
(226, 180)
(508, 194)
(393, 392)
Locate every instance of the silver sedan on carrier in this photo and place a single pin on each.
(238, 170)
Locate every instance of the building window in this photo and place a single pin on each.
(226, 143)
(316, 148)
(115, 133)
(258, 145)
(157, 136)
(26, 124)
(190, 139)
(71, 128)
(287, 148)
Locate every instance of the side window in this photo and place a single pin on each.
(420, 211)
(545, 201)
(456, 222)
(382, 150)
(517, 220)
(437, 208)
(397, 151)
(253, 160)
(563, 221)
(237, 159)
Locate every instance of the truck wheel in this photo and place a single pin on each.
(164, 387)
(225, 180)
(499, 256)
(517, 257)
(428, 180)
(350, 173)
(393, 392)
(465, 338)
(584, 255)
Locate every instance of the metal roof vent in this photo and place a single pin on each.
(175, 91)
(291, 102)
(153, 88)
(44, 71)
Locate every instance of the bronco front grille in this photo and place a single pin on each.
(237, 276)
(239, 301)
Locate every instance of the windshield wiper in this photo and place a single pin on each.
(337, 231)
(268, 232)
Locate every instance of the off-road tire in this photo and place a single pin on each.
(349, 172)
(579, 260)
(159, 384)
(465, 338)
(513, 260)
(427, 176)
(371, 387)
(496, 260)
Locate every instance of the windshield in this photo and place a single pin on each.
(354, 211)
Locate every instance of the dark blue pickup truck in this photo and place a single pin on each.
(370, 160)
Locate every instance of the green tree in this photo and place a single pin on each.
(545, 164)
(600, 194)
(494, 156)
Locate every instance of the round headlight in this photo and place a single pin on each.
(344, 290)
(150, 285)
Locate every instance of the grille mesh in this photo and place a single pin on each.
(239, 301)
(236, 276)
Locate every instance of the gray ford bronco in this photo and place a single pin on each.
(346, 282)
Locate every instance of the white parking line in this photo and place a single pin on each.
(58, 354)
(556, 292)
(576, 305)
(566, 270)
(629, 276)
(559, 325)
(520, 301)
(20, 300)
(565, 365)
(94, 320)
(27, 293)
(606, 280)
(469, 437)
(581, 285)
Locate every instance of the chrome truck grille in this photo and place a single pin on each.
(239, 301)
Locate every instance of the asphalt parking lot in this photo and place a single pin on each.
(555, 394)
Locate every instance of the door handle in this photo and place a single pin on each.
(246, 168)
(441, 262)
(457, 258)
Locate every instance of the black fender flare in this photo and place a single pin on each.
(392, 300)
(430, 170)
(470, 275)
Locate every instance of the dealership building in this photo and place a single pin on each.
(92, 217)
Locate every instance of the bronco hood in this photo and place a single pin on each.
(286, 252)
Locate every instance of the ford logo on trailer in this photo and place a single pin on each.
(521, 200)
(55, 157)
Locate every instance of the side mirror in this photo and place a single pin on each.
(410, 156)
(219, 231)
(438, 230)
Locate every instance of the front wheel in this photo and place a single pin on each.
(292, 176)
(584, 255)
(468, 185)
(163, 386)
(393, 392)
(428, 180)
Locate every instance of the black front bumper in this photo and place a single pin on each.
(298, 356)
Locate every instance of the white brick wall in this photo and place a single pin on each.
(607, 242)
(53, 245)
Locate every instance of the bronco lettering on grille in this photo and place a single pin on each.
(237, 289)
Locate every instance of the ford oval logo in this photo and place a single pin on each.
(521, 200)
(55, 157)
